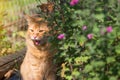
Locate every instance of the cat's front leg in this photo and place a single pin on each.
(51, 76)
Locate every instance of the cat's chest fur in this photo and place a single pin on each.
(37, 63)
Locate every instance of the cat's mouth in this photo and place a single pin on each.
(37, 42)
(40, 41)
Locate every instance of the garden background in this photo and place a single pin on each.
(87, 35)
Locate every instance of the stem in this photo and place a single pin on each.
(71, 69)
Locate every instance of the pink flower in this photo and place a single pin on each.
(90, 36)
(74, 2)
(84, 28)
(109, 29)
(61, 36)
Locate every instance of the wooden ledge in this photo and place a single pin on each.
(9, 61)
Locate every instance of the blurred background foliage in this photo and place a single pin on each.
(12, 23)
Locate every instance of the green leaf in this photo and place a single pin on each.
(100, 17)
(65, 46)
(117, 49)
(113, 78)
(99, 9)
(76, 73)
(97, 64)
(81, 40)
(78, 11)
(78, 23)
(92, 73)
(110, 59)
(96, 78)
(82, 59)
(96, 29)
(88, 68)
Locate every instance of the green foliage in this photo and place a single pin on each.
(84, 58)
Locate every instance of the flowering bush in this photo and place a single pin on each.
(90, 49)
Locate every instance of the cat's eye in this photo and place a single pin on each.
(41, 30)
(31, 30)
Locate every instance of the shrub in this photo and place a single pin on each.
(90, 48)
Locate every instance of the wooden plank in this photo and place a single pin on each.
(9, 61)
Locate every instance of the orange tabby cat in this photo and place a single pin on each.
(37, 64)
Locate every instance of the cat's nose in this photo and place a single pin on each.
(34, 37)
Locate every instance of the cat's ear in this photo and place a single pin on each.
(29, 19)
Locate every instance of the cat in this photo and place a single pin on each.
(38, 61)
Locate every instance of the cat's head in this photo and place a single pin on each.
(37, 30)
